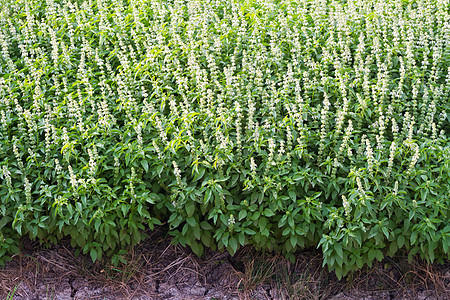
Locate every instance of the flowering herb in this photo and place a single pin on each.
(278, 124)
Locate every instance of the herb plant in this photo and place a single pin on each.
(282, 124)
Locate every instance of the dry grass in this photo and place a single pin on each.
(280, 279)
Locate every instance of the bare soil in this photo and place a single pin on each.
(157, 269)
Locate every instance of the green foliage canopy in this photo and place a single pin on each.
(277, 124)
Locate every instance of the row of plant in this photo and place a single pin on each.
(279, 124)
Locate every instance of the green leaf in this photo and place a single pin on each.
(379, 255)
(199, 174)
(375, 253)
(197, 232)
(242, 214)
(241, 238)
(206, 240)
(208, 195)
(224, 239)
(400, 240)
(93, 254)
(190, 209)
(413, 237)
(97, 224)
(197, 248)
(268, 212)
(286, 231)
(232, 243)
(293, 240)
(191, 221)
(255, 215)
(393, 247)
(185, 229)
(249, 231)
(293, 195)
(205, 225)
(385, 231)
(339, 251)
(359, 262)
(144, 164)
(339, 271)
(262, 223)
(371, 254)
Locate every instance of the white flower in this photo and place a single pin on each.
(7, 176)
(414, 158)
(369, 155)
(92, 163)
(346, 205)
(392, 150)
(231, 221)
(360, 187)
(177, 172)
(73, 179)
(396, 187)
(253, 165)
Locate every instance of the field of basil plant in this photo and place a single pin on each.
(279, 124)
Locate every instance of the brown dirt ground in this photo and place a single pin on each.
(158, 270)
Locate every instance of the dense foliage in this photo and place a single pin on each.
(281, 124)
